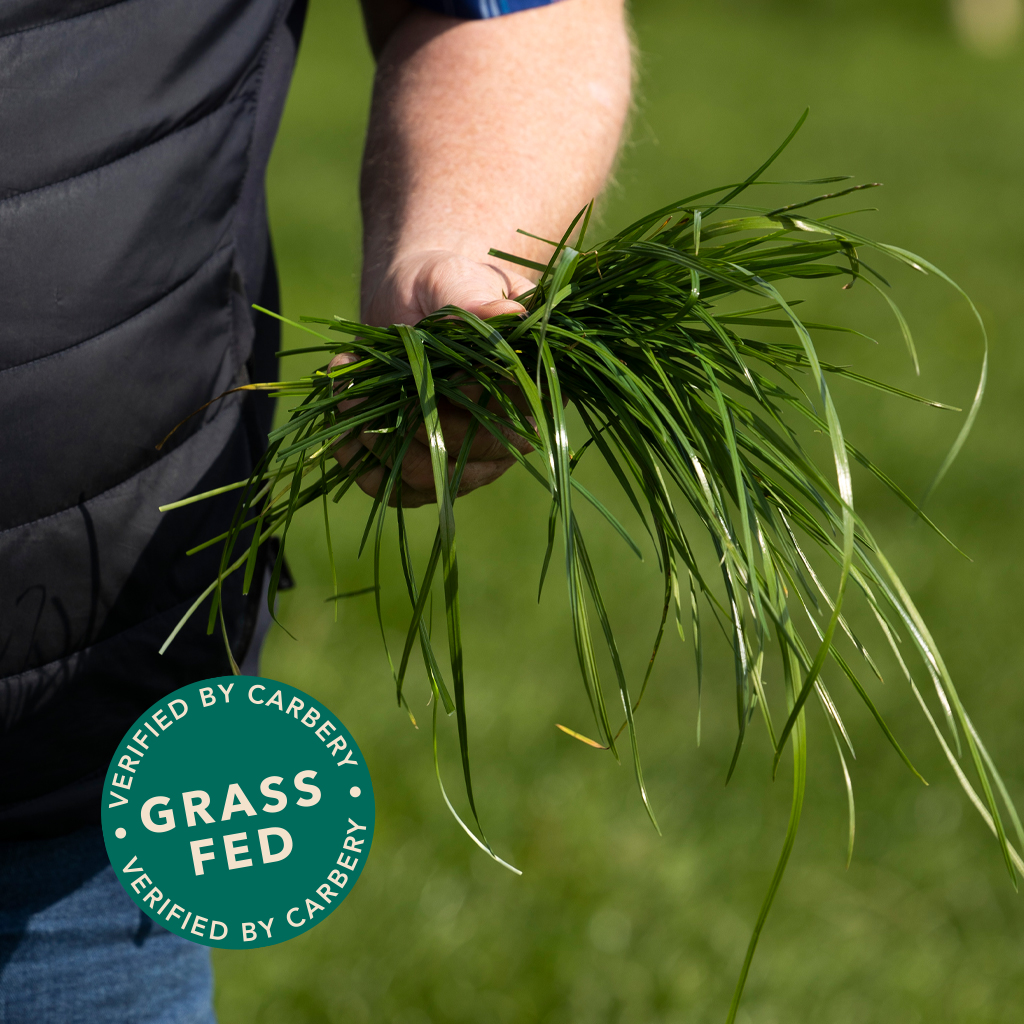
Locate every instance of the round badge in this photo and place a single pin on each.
(238, 812)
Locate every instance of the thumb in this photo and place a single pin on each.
(486, 308)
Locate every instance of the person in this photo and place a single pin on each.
(133, 242)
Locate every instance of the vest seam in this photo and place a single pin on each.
(235, 399)
(240, 98)
(187, 601)
(258, 70)
(62, 21)
(221, 247)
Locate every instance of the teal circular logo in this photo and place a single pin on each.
(238, 812)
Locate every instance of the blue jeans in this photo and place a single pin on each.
(74, 949)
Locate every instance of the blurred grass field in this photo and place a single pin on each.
(611, 923)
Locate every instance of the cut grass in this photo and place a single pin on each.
(685, 400)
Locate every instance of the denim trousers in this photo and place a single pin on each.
(74, 949)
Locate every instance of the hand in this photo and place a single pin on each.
(417, 285)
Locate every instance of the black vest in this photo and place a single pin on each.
(134, 137)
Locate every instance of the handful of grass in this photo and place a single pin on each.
(688, 408)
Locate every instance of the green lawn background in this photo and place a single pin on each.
(609, 922)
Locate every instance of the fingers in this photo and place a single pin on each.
(417, 472)
(487, 459)
(417, 285)
(488, 307)
(455, 423)
(344, 359)
(477, 474)
(411, 498)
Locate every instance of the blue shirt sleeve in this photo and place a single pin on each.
(480, 8)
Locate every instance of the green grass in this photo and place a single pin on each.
(611, 922)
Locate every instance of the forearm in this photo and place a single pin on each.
(481, 127)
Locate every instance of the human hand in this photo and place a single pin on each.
(416, 286)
